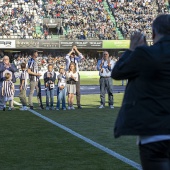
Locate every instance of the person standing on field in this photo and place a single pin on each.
(72, 58)
(6, 67)
(105, 66)
(34, 80)
(23, 86)
(145, 109)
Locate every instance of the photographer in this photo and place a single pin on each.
(49, 82)
(105, 66)
(72, 58)
(145, 108)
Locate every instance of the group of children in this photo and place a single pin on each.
(66, 85)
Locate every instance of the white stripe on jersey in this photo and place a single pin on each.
(8, 91)
(24, 76)
(33, 65)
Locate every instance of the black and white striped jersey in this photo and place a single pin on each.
(33, 65)
(24, 76)
(7, 87)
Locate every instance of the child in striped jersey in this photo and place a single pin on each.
(8, 91)
(23, 86)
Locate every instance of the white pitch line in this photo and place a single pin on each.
(95, 144)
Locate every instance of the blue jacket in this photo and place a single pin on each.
(145, 108)
(13, 69)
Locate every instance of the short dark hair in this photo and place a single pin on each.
(34, 51)
(161, 24)
(50, 65)
(23, 65)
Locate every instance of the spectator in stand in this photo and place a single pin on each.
(45, 34)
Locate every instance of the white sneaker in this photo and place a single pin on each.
(9, 108)
(25, 108)
(111, 106)
(72, 107)
(52, 108)
(101, 107)
(57, 108)
(69, 108)
(64, 108)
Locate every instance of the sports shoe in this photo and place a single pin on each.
(57, 108)
(41, 107)
(101, 107)
(69, 108)
(79, 107)
(52, 108)
(111, 106)
(23, 108)
(64, 108)
(9, 108)
(72, 107)
(31, 107)
(4, 108)
(47, 108)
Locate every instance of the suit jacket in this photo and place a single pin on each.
(12, 69)
(146, 105)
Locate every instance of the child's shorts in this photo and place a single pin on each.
(9, 98)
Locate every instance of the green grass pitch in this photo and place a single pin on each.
(30, 143)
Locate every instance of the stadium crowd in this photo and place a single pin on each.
(88, 64)
(136, 15)
(80, 19)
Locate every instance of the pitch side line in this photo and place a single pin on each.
(95, 144)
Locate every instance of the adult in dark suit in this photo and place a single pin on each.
(145, 109)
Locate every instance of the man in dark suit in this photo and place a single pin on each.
(145, 108)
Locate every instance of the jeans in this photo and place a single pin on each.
(106, 84)
(61, 96)
(49, 97)
(155, 155)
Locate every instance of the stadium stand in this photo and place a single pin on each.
(136, 15)
(80, 19)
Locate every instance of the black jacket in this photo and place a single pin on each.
(47, 79)
(146, 105)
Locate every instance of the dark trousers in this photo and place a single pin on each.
(78, 90)
(106, 84)
(155, 155)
